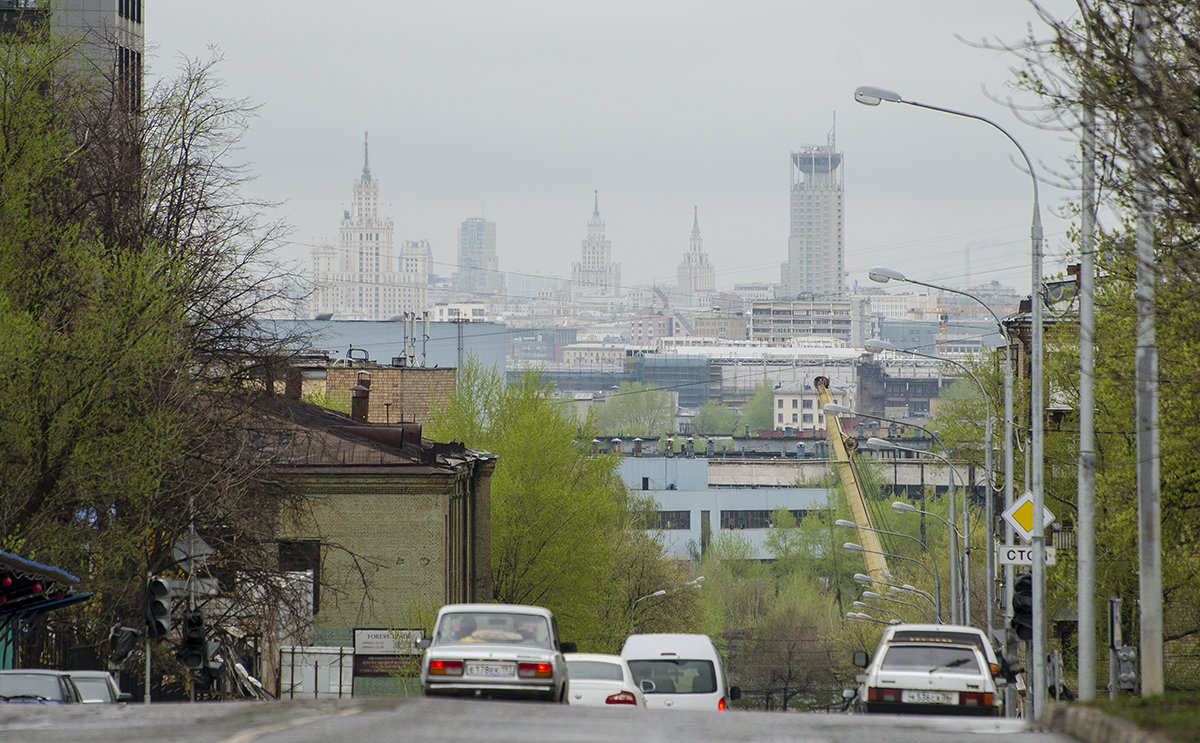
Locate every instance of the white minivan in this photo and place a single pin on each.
(677, 671)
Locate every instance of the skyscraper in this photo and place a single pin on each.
(362, 279)
(696, 276)
(816, 260)
(596, 275)
(478, 276)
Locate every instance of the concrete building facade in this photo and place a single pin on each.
(816, 253)
(696, 277)
(595, 275)
(478, 277)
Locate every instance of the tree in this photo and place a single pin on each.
(131, 271)
(636, 409)
(715, 419)
(560, 517)
(759, 411)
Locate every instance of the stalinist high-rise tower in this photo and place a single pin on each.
(696, 276)
(596, 276)
(362, 279)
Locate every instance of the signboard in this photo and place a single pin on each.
(1017, 554)
(1020, 516)
(386, 642)
(387, 666)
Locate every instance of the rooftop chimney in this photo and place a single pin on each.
(360, 395)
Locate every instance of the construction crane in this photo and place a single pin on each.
(841, 446)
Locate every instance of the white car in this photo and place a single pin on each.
(495, 650)
(98, 687)
(926, 676)
(598, 680)
(679, 671)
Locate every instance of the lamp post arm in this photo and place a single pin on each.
(924, 567)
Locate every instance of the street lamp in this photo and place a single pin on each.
(875, 345)
(852, 547)
(872, 96)
(937, 591)
(905, 588)
(880, 597)
(883, 275)
(962, 579)
(868, 618)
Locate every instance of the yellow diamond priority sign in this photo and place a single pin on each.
(1020, 516)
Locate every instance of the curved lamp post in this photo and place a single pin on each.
(872, 96)
(880, 597)
(868, 618)
(937, 591)
(875, 345)
(958, 574)
(905, 588)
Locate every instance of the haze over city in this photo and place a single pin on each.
(519, 112)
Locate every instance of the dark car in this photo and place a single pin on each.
(38, 686)
(98, 687)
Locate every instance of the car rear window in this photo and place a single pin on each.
(508, 629)
(674, 676)
(931, 658)
(30, 685)
(594, 669)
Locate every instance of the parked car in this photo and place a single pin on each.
(927, 675)
(678, 671)
(495, 650)
(98, 687)
(37, 686)
(598, 680)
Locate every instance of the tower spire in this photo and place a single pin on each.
(596, 207)
(696, 219)
(366, 160)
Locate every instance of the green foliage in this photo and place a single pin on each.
(758, 412)
(636, 410)
(562, 527)
(715, 419)
(338, 400)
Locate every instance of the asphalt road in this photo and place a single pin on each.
(418, 719)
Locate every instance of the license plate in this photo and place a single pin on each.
(491, 670)
(913, 696)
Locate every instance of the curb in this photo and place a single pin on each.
(1090, 725)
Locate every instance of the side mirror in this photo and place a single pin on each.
(423, 643)
(849, 693)
(735, 692)
(567, 647)
(860, 658)
(124, 697)
(647, 686)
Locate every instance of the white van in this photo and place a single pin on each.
(678, 671)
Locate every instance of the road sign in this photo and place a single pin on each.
(191, 550)
(1019, 554)
(1020, 516)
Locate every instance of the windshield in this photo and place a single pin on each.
(594, 669)
(930, 658)
(93, 688)
(520, 629)
(30, 685)
(676, 676)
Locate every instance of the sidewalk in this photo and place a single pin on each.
(1090, 725)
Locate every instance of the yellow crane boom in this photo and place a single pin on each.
(840, 447)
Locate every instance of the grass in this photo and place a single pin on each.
(1174, 715)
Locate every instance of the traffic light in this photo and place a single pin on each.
(193, 648)
(1022, 606)
(121, 642)
(1127, 668)
(158, 608)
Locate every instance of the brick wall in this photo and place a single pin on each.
(413, 393)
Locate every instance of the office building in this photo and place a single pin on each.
(478, 277)
(596, 276)
(816, 261)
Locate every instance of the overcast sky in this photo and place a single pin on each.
(518, 111)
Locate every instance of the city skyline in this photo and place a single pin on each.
(520, 122)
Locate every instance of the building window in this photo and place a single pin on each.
(780, 401)
(808, 403)
(753, 519)
(303, 555)
(794, 417)
(795, 402)
(670, 520)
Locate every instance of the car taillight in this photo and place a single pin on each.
(445, 667)
(621, 697)
(721, 704)
(975, 698)
(535, 670)
(995, 670)
(877, 694)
